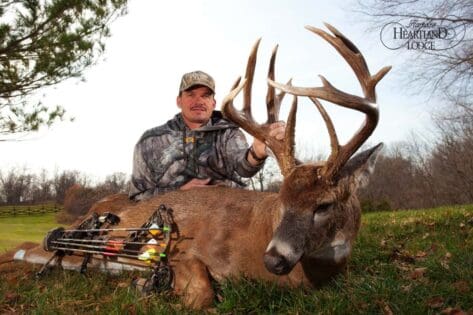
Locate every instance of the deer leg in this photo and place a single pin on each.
(192, 282)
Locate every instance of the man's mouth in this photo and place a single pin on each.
(199, 108)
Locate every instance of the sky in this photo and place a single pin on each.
(134, 85)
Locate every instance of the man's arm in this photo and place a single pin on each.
(247, 161)
(142, 186)
(257, 152)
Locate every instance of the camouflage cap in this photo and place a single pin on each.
(196, 78)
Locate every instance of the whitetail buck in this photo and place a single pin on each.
(299, 236)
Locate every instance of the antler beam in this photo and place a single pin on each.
(367, 104)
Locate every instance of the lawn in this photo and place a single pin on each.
(15, 230)
(405, 262)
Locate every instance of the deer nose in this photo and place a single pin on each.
(276, 263)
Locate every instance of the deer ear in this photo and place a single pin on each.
(361, 166)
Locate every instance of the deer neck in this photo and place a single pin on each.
(267, 214)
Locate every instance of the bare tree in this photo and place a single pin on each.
(62, 181)
(78, 200)
(390, 184)
(15, 186)
(451, 161)
(115, 183)
(42, 188)
(447, 70)
(266, 176)
(424, 183)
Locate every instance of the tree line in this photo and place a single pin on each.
(419, 173)
(21, 186)
(416, 173)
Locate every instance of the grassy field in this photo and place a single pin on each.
(409, 262)
(16, 230)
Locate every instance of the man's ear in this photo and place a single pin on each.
(214, 102)
(178, 101)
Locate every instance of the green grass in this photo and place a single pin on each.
(16, 230)
(409, 262)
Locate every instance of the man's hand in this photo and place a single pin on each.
(195, 183)
(277, 130)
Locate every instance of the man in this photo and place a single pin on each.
(196, 148)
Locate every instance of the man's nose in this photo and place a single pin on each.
(199, 99)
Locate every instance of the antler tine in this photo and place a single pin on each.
(286, 157)
(240, 117)
(228, 100)
(328, 92)
(273, 101)
(283, 150)
(243, 117)
(287, 160)
(272, 105)
(249, 74)
(334, 144)
(355, 59)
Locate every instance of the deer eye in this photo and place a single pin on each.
(322, 207)
(321, 213)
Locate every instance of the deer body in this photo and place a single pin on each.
(299, 236)
(233, 233)
(225, 233)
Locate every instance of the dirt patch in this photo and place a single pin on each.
(8, 255)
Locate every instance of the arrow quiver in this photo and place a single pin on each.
(148, 244)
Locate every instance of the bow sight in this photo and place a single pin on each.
(94, 238)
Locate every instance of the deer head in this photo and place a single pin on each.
(320, 212)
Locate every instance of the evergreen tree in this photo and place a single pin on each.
(44, 42)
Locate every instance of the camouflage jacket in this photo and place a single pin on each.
(168, 156)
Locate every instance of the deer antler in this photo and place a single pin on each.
(283, 150)
(340, 154)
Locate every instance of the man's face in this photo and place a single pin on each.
(196, 105)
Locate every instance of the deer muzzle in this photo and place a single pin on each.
(287, 246)
(276, 263)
